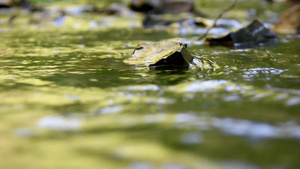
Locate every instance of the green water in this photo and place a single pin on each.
(69, 101)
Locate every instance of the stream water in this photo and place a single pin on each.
(69, 101)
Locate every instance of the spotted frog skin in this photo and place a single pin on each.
(170, 54)
(165, 53)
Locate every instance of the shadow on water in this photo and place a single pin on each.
(81, 71)
(107, 73)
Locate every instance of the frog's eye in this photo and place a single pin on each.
(138, 48)
(183, 44)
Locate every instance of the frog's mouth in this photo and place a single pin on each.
(174, 61)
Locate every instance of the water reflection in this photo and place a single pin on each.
(192, 138)
(141, 165)
(60, 123)
(231, 126)
(257, 130)
(237, 91)
(293, 101)
(241, 127)
(109, 110)
(24, 132)
(238, 165)
(54, 82)
(251, 74)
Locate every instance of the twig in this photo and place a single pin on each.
(219, 16)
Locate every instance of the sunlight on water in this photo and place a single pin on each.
(69, 101)
(59, 123)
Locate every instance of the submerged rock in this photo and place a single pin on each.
(255, 34)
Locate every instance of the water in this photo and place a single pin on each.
(69, 101)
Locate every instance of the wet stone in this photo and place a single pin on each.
(255, 34)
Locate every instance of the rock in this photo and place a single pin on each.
(255, 34)
(164, 6)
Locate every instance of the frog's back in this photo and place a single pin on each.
(151, 53)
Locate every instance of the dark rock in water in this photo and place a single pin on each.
(155, 10)
(255, 34)
(21, 3)
(294, 2)
(144, 6)
(25, 4)
(4, 6)
(164, 6)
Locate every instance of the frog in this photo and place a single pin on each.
(169, 54)
(163, 54)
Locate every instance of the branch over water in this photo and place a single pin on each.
(219, 16)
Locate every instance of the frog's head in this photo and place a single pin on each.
(165, 54)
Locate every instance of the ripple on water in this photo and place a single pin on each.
(60, 123)
(140, 165)
(240, 127)
(109, 110)
(191, 138)
(143, 88)
(204, 85)
(293, 101)
(237, 165)
(254, 72)
(174, 166)
(236, 91)
(23, 132)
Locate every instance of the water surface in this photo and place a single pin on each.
(69, 101)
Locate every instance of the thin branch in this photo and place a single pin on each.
(219, 16)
